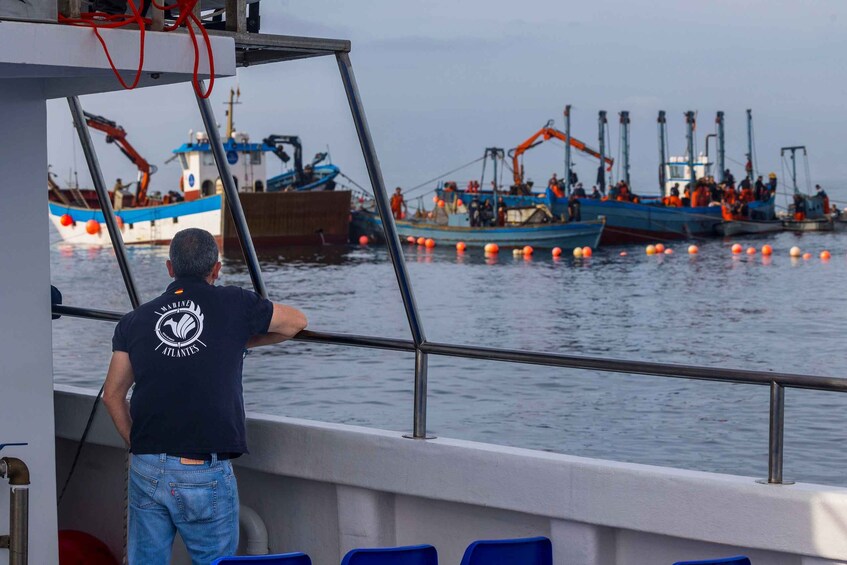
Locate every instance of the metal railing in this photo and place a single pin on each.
(422, 348)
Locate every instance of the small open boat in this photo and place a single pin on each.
(537, 234)
(739, 227)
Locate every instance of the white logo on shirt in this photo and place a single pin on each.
(178, 328)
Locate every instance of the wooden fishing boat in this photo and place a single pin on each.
(760, 218)
(817, 224)
(541, 234)
(739, 227)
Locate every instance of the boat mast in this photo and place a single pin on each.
(752, 171)
(601, 172)
(230, 115)
(568, 150)
(625, 145)
(721, 148)
(663, 127)
(793, 150)
(692, 176)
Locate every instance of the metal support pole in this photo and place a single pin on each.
(391, 239)
(568, 150)
(721, 147)
(601, 172)
(419, 414)
(103, 197)
(692, 175)
(625, 145)
(776, 439)
(663, 180)
(19, 525)
(233, 202)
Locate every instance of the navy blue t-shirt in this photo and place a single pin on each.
(186, 349)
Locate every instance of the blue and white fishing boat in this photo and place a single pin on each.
(299, 206)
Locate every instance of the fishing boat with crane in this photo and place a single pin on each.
(299, 206)
(628, 219)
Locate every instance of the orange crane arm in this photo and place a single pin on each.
(116, 134)
(546, 133)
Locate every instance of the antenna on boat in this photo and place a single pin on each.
(663, 133)
(721, 147)
(690, 122)
(234, 97)
(568, 150)
(601, 172)
(625, 146)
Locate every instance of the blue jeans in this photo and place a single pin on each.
(198, 501)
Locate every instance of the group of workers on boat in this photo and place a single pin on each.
(801, 204)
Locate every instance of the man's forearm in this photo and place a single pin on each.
(269, 338)
(119, 411)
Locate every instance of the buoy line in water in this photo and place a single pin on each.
(527, 251)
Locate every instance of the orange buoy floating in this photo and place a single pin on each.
(660, 248)
(66, 220)
(363, 240)
(557, 251)
(624, 253)
(650, 250)
(795, 251)
(586, 251)
(461, 246)
(668, 251)
(736, 249)
(92, 227)
(807, 256)
(693, 250)
(751, 251)
(430, 243)
(767, 250)
(411, 239)
(826, 255)
(492, 248)
(421, 241)
(527, 250)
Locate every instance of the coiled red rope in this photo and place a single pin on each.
(98, 20)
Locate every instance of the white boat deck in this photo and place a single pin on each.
(327, 488)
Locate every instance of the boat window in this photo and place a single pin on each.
(676, 171)
(255, 157)
(208, 159)
(183, 161)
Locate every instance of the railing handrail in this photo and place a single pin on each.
(580, 362)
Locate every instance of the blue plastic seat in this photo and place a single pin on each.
(524, 551)
(737, 560)
(279, 559)
(407, 555)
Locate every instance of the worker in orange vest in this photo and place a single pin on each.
(398, 204)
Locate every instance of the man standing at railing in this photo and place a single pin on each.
(184, 351)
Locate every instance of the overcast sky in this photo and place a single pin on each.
(441, 80)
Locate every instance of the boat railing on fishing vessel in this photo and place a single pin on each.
(258, 48)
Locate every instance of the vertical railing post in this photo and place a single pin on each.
(233, 202)
(103, 196)
(776, 438)
(392, 240)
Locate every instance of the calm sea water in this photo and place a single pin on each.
(713, 309)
